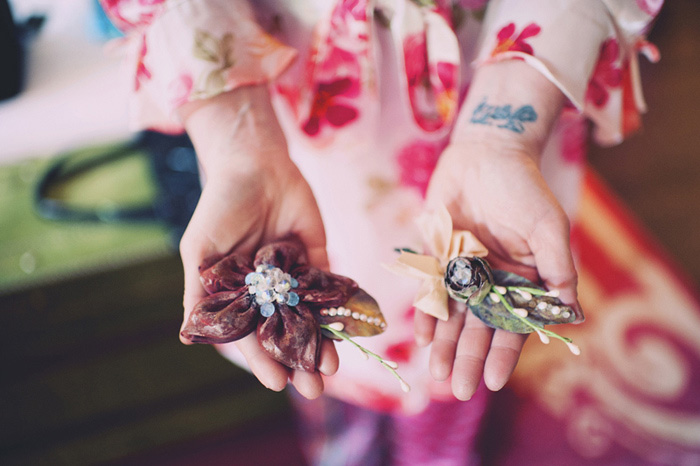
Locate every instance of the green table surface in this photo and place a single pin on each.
(34, 250)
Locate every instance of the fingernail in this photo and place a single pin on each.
(463, 393)
(495, 385)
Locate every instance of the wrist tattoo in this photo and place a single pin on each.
(503, 116)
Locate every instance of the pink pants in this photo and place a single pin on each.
(337, 433)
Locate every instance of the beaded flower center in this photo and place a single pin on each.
(462, 272)
(271, 285)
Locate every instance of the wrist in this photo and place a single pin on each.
(511, 105)
(235, 133)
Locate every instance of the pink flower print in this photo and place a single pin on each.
(400, 352)
(142, 73)
(509, 42)
(339, 59)
(447, 72)
(447, 96)
(416, 163)
(180, 89)
(473, 4)
(325, 107)
(650, 7)
(606, 74)
(355, 9)
(573, 141)
(420, 91)
(416, 59)
(130, 13)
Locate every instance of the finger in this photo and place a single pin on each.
(502, 358)
(271, 373)
(423, 328)
(194, 292)
(328, 365)
(442, 353)
(308, 384)
(555, 264)
(472, 348)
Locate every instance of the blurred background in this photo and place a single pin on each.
(90, 280)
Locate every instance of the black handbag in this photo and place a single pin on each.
(10, 54)
(173, 165)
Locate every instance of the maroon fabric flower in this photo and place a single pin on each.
(284, 300)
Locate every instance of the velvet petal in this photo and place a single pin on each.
(291, 336)
(221, 318)
(227, 274)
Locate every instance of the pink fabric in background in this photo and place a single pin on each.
(633, 396)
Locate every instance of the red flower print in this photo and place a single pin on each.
(606, 74)
(325, 108)
(378, 401)
(401, 352)
(447, 72)
(509, 42)
(416, 163)
(142, 73)
(631, 119)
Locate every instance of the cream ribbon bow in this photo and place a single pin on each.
(445, 244)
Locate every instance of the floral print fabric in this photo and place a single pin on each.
(597, 68)
(367, 92)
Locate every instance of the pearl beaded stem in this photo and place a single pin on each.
(345, 312)
(391, 366)
(541, 331)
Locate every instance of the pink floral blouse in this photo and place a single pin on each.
(367, 92)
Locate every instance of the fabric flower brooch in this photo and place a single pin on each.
(458, 270)
(290, 305)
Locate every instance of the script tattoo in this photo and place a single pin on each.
(503, 116)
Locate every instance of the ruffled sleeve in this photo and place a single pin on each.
(183, 50)
(587, 48)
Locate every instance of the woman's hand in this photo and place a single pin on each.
(253, 193)
(489, 179)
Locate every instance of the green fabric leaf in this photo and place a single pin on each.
(495, 315)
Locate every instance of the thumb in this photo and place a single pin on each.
(551, 249)
(307, 224)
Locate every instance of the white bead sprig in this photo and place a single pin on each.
(391, 366)
(542, 332)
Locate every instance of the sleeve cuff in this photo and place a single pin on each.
(588, 49)
(196, 50)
